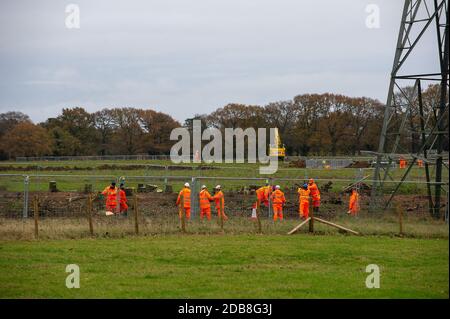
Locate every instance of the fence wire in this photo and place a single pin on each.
(152, 199)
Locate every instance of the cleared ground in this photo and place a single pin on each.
(231, 266)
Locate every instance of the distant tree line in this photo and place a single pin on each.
(309, 124)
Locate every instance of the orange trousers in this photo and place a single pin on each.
(354, 208)
(316, 202)
(123, 207)
(188, 212)
(304, 209)
(277, 212)
(219, 213)
(205, 212)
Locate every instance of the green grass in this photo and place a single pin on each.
(231, 266)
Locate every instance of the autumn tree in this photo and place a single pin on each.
(8, 121)
(26, 139)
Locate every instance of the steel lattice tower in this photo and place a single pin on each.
(418, 17)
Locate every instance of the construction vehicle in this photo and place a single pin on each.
(278, 148)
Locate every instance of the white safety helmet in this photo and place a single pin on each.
(203, 186)
(277, 187)
(186, 185)
(218, 187)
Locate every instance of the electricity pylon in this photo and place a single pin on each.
(418, 17)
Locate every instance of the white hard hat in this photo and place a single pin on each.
(277, 187)
(186, 185)
(203, 186)
(218, 187)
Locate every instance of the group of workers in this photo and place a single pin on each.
(402, 163)
(116, 200)
(264, 195)
(205, 199)
(115, 195)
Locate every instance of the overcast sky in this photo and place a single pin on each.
(185, 57)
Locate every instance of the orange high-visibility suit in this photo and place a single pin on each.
(303, 195)
(111, 198)
(262, 194)
(219, 197)
(205, 206)
(353, 205)
(315, 194)
(402, 163)
(278, 201)
(420, 163)
(123, 201)
(186, 193)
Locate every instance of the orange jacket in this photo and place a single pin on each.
(315, 193)
(420, 163)
(111, 195)
(186, 193)
(218, 197)
(278, 197)
(303, 195)
(262, 194)
(403, 163)
(205, 198)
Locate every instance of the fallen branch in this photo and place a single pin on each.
(298, 226)
(336, 225)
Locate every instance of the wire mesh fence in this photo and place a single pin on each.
(76, 201)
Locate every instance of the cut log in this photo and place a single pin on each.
(296, 228)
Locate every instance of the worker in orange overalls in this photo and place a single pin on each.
(219, 198)
(353, 206)
(303, 194)
(123, 199)
(402, 163)
(420, 163)
(110, 194)
(186, 194)
(315, 195)
(205, 206)
(262, 195)
(278, 201)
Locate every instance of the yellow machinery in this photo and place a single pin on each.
(278, 148)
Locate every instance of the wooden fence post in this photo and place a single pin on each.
(311, 221)
(400, 221)
(89, 211)
(258, 214)
(36, 216)
(136, 211)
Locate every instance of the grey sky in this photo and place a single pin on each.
(191, 56)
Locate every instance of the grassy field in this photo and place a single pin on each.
(98, 174)
(232, 266)
(119, 227)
